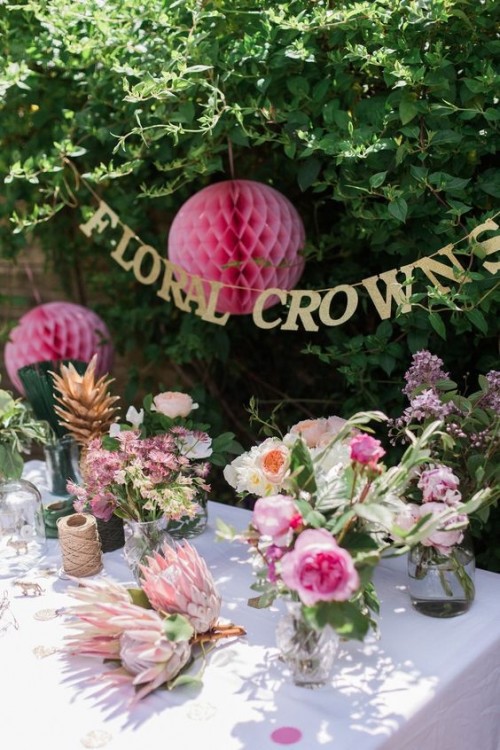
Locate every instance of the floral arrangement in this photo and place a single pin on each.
(152, 633)
(469, 442)
(19, 428)
(328, 509)
(155, 465)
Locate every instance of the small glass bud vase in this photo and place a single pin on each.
(22, 530)
(143, 539)
(442, 585)
(308, 652)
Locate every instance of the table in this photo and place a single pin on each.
(425, 683)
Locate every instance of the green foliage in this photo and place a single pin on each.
(377, 120)
(19, 428)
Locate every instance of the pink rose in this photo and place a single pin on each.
(173, 404)
(443, 539)
(440, 484)
(273, 517)
(365, 449)
(318, 569)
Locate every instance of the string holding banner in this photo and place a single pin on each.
(306, 309)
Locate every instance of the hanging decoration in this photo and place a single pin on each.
(57, 331)
(243, 234)
(305, 309)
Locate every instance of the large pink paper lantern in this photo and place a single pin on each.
(241, 233)
(57, 330)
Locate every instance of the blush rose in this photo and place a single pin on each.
(273, 516)
(173, 404)
(318, 569)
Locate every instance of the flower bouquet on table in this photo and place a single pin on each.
(152, 471)
(464, 466)
(327, 510)
(155, 632)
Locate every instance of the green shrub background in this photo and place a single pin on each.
(377, 119)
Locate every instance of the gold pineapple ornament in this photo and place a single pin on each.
(84, 406)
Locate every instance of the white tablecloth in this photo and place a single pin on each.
(426, 683)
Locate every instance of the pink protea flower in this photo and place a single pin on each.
(177, 580)
(242, 233)
(148, 655)
(55, 331)
(110, 626)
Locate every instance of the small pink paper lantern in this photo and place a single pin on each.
(241, 233)
(54, 331)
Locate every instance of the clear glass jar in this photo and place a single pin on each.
(22, 530)
(308, 652)
(142, 539)
(442, 585)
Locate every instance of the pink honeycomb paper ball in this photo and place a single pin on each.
(54, 331)
(241, 233)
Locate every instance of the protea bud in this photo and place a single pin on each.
(177, 580)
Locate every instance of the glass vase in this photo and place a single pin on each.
(188, 527)
(142, 539)
(22, 530)
(61, 464)
(308, 652)
(442, 585)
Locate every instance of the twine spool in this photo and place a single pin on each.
(80, 546)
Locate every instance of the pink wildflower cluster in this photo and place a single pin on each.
(142, 478)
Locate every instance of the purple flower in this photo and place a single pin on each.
(425, 369)
(426, 405)
(492, 398)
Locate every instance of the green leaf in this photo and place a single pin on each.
(139, 598)
(263, 601)
(477, 319)
(407, 110)
(185, 679)
(307, 172)
(378, 179)
(399, 209)
(177, 628)
(11, 462)
(436, 322)
(224, 531)
(301, 464)
(344, 617)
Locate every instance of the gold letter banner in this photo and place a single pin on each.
(306, 309)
